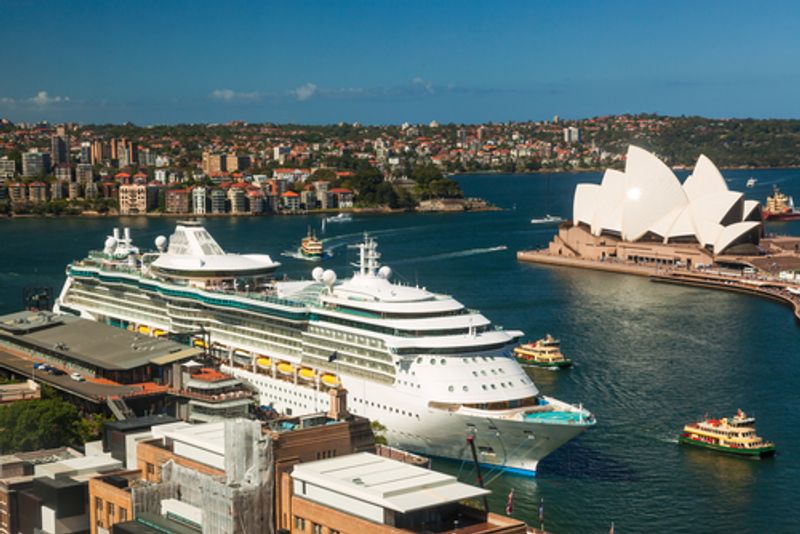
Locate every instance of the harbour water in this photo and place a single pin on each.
(649, 357)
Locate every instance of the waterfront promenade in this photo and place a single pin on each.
(711, 279)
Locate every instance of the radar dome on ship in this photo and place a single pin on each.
(110, 244)
(161, 243)
(385, 272)
(329, 277)
(317, 274)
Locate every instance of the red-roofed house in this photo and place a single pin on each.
(290, 201)
(344, 197)
(123, 178)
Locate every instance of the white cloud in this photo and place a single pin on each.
(424, 84)
(229, 95)
(304, 92)
(43, 99)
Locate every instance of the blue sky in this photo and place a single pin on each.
(390, 61)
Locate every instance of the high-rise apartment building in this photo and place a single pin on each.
(199, 200)
(8, 167)
(213, 163)
(35, 163)
(83, 173)
(59, 148)
(572, 134)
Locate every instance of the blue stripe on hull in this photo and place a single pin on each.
(517, 471)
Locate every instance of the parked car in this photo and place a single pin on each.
(56, 372)
(41, 367)
(77, 377)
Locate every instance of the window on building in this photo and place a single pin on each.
(299, 523)
(98, 504)
(316, 529)
(151, 469)
(123, 514)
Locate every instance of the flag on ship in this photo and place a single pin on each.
(332, 356)
(510, 503)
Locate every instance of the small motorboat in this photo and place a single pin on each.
(751, 182)
(548, 219)
(340, 218)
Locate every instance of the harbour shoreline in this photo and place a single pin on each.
(766, 289)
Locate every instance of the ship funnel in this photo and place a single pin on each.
(127, 234)
(116, 234)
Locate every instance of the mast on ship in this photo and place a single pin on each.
(368, 256)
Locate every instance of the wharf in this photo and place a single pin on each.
(771, 289)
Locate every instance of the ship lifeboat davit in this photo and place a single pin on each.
(306, 374)
(330, 380)
(264, 363)
(285, 368)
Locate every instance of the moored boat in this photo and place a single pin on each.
(780, 207)
(545, 352)
(736, 435)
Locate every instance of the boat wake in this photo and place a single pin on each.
(297, 256)
(457, 254)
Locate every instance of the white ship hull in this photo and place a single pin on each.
(421, 364)
(509, 445)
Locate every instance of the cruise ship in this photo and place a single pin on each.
(424, 366)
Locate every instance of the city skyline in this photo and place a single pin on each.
(390, 63)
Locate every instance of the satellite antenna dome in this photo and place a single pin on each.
(317, 274)
(329, 277)
(161, 243)
(385, 272)
(110, 244)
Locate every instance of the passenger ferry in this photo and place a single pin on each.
(736, 435)
(311, 248)
(421, 363)
(545, 352)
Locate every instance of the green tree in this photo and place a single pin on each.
(379, 431)
(39, 424)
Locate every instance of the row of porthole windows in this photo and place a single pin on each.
(392, 409)
(494, 371)
(473, 359)
(409, 384)
(486, 387)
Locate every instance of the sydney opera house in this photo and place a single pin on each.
(645, 215)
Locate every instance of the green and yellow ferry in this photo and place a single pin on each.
(545, 352)
(736, 435)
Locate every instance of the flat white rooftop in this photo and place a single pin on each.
(385, 482)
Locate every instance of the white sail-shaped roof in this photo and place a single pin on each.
(608, 214)
(704, 180)
(585, 202)
(732, 233)
(652, 191)
(649, 199)
(752, 209)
